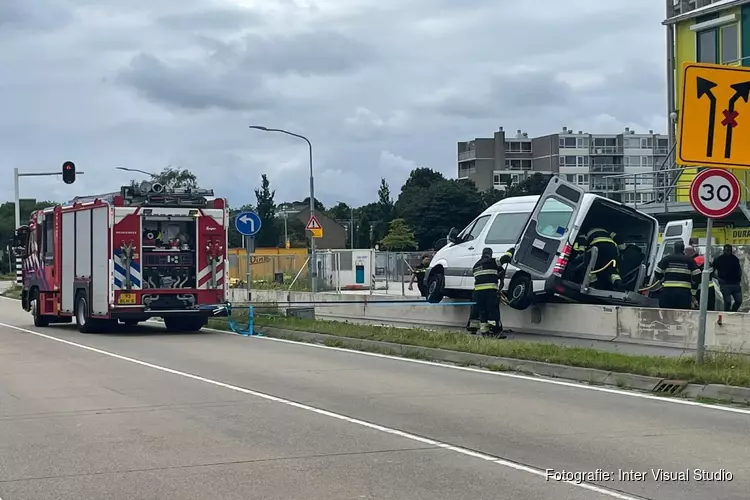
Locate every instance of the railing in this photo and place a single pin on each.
(605, 150)
(467, 155)
(393, 271)
(594, 169)
(664, 187)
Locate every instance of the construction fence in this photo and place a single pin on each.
(337, 270)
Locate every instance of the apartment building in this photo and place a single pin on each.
(620, 166)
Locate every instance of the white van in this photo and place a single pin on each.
(543, 229)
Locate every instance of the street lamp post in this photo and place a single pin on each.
(136, 170)
(313, 263)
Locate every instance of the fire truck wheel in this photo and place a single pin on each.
(39, 320)
(85, 324)
(184, 324)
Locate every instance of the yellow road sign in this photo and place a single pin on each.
(714, 125)
(314, 226)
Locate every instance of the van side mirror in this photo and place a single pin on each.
(452, 235)
(20, 236)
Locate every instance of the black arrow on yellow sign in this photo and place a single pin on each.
(705, 87)
(741, 91)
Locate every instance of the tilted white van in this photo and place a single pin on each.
(543, 229)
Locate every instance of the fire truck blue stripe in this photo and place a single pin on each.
(133, 278)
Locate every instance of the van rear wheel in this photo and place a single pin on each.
(520, 291)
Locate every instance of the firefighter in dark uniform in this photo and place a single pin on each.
(680, 276)
(700, 261)
(488, 273)
(605, 274)
(418, 274)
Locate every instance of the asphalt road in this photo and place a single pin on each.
(142, 414)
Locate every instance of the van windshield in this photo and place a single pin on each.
(506, 228)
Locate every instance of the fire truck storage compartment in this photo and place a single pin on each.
(636, 231)
(85, 258)
(169, 252)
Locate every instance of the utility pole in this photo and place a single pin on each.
(313, 262)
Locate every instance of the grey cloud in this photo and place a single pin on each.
(234, 75)
(511, 94)
(309, 69)
(195, 87)
(312, 53)
(214, 19)
(22, 15)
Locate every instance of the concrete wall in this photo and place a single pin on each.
(661, 327)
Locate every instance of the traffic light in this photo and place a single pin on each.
(69, 172)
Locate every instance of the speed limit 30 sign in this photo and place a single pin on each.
(715, 193)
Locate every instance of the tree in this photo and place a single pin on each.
(400, 237)
(491, 196)
(268, 236)
(363, 237)
(340, 211)
(319, 207)
(419, 181)
(177, 178)
(373, 214)
(385, 207)
(442, 206)
(533, 185)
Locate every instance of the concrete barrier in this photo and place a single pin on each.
(646, 326)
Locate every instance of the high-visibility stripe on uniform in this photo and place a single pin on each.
(603, 240)
(485, 286)
(486, 274)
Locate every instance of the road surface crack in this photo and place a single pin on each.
(215, 464)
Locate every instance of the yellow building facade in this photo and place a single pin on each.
(717, 33)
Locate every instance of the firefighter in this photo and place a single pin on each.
(418, 274)
(488, 272)
(700, 261)
(680, 276)
(605, 274)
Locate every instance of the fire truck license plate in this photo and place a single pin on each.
(126, 298)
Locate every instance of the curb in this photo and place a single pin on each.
(724, 393)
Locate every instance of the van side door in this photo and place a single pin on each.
(472, 251)
(459, 262)
(541, 242)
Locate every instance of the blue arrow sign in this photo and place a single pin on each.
(247, 223)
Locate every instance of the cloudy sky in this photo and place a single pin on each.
(379, 86)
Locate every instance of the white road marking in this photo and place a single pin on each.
(363, 423)
(541, 380)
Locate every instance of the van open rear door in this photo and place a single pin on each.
(548, 227)
(679, 230)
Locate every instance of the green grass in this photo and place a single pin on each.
(718, 368)
(7, 277)
(13, 292)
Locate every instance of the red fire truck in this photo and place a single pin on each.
(147, 251)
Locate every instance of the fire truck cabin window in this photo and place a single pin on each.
(49, 236)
